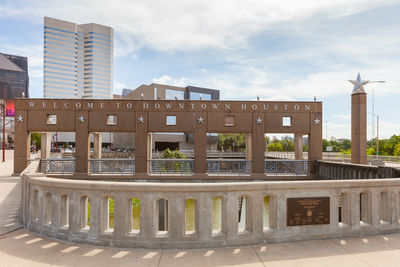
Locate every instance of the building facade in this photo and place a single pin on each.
(14, 76)
(14, 83)
(78, 60)
(162, 141)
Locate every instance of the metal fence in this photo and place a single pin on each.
(57, 166)
(293, 167)
(112, 166)
(228, 166)
(171, 166)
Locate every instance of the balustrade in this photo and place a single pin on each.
(57, 166)
(202, 214)
(112, 166)
(228, 166)
(282, 167)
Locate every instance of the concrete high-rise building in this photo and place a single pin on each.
(78, 60)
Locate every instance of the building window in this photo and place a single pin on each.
(171, 120)
(111, 119)
(286, 121)
(51, 119)
(229, 121)
(199, 96)
(171, 94)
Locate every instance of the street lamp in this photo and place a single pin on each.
(373, 107)
(377, 133)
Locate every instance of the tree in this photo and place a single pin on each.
(232, 142)
(176, 154)
(397, 150)
(37, 138)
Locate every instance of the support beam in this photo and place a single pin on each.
(258, 144)
(22, 142)
(141, 143)
(97, 141)
(298, 146)
(82, 143)
(200, 144)
(315, 140)
(45, 145)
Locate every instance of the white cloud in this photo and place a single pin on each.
(118, 87)
(342, 116)
(165, 79)
(183, 25)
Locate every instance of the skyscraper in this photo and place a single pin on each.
(78, 60)
(14, 76)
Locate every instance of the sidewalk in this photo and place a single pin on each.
(23, 248)
(10, 197)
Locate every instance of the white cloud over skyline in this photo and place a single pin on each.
(279, 50)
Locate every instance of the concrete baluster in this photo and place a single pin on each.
(176, 217)
(257, 213)
(122, 222)
(97, 215)
(375, 201)
(232, 215)
(148, 222)
(75, 216)
(205, 212)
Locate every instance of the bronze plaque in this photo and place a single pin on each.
(307, 211)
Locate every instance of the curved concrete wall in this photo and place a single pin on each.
(53, 207)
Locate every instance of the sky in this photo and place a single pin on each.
(277, 50)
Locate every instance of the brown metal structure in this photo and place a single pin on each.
(255, 118)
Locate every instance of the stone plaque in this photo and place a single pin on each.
(308, 211)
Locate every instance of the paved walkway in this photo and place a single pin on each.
(23, 248)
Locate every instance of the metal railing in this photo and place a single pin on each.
(171, 166)
(112, 166)
(278, 167)
(57, 166)
(228, 166)
(210, 154)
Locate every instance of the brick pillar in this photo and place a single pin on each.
(200, 144)
(315, 140)
(141, 143)
(22, 142)
(258, 144)
(82, 142)
(359, 128)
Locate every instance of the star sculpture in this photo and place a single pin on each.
(81, 119)
(358, 84)
(200, 120)
(316, 121)
(259, 120)
(141, 119)
(20, 118)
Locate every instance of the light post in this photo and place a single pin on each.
(373, 106)
(377, 133)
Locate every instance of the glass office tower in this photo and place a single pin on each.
(13, 76)
(78, 60)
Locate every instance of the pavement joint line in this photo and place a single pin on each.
(350, 253)
(159, 260)
(258, 256)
